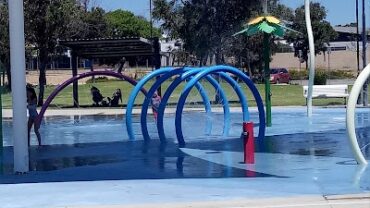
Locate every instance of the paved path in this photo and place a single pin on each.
(340, 201)
(328, 82)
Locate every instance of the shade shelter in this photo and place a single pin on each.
(110, 48)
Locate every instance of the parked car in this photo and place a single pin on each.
(279, 75)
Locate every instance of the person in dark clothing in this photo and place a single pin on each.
(97, 97)
(117, 96)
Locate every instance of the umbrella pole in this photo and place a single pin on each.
(266, 57)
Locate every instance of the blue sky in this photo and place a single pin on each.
(339, 11)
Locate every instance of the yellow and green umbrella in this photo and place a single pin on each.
(265, 24)
(268, 25)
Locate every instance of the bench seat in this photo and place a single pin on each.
(327, 91)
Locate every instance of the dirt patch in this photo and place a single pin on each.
(56, 77)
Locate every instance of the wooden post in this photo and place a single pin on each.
(74, 74)
(157, 59)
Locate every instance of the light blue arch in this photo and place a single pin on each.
(199, 76)
(186, 75)
(156, 85)
(136, 90)
(169, 91)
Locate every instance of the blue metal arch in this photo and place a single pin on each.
(186, 75)
(156, 85)
(190, 72)
(169, 92)
(239, 92)
(199, 76)
(135, 92)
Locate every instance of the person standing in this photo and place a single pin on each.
(156, 101)
(32, 114)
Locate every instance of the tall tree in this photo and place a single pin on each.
(4, 40)
(322, 30)
(205, 26)
(46, 22)
(96, 25)
(123, 23)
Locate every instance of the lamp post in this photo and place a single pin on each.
(151, 19)
(359, 100)
(365, 101)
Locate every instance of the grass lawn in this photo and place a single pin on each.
(282, 95)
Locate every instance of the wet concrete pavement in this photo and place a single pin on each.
(301, 160)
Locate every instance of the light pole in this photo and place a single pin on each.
(151, 19)
(365, 101)
(359, 100)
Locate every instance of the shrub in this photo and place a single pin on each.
(298, 75)
(332, 74)
(339, 74)
(320, 78)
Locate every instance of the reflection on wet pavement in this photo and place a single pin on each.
(96, 148)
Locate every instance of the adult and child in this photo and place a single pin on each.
(98, 98)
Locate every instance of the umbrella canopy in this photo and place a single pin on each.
(266, 24)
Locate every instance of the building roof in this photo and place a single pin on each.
(110, 47)
(348, 30)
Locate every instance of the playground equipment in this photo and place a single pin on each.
(76, 78)
(350, 117)
(193, 76)
(311, 43)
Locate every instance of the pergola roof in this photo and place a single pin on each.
(110, 47)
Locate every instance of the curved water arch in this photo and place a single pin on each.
(187, 75)
(169, 91)
(140, 84)
(76, 78)
(205, 72)
(350, 115)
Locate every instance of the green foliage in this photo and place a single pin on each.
(282, 95)
(95, 24)
(205, 28)
(4, 40)
(332, 74)
(46, 21)
(323, 32)
(4, 34)
(125, 24)
(320, 78)
(298, 75)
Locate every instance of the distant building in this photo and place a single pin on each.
(341, 53)
(346, 39)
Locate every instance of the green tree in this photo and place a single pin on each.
(322, 30)
(122, 23)
(95, 23)
(205, 26)
(46, 22)
(4, 40)
(248, 50)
